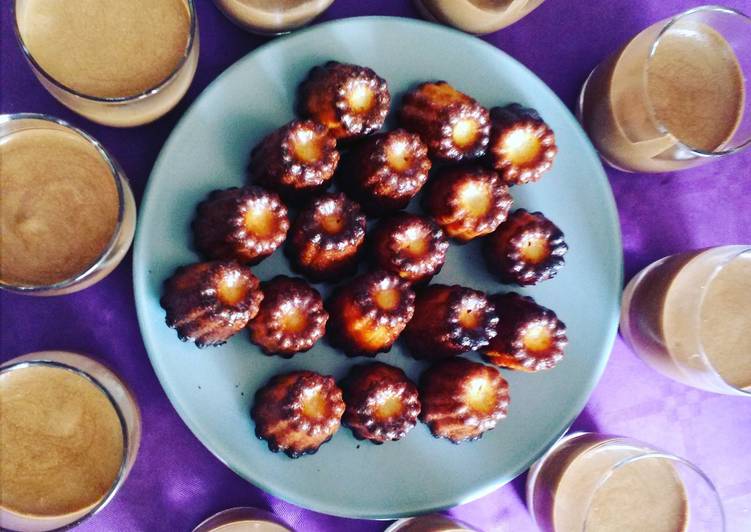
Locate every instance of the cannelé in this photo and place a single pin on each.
(467, 201)
(297, 159)
(526, 249)
(411, 246)
(522, 146)
(326, 237)
(291, 319)
(529, 337)
(369, 313)
(453, 125)
(209, 302)
(247, 224)
(350, 100)
(461, 400)
(386, 171)
(298, 412)
(382, 403)
(449, 320)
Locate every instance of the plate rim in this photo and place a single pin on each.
(140, 272)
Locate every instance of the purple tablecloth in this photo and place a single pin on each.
(176, 482)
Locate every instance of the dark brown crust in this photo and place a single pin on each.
(324, 256)
(281, 421)
(515, 118)
(280, 295)
(375, 182)
(443, 389)
(518, 315)
(358, 325)
(436, 331)
(219, 228)
(504, 248)
(433, 108)
(275, 164)
(390, 241)
(323, 97)
(365, 389)
(444, 203)
(194, 308)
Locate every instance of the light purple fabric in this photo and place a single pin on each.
(176, 482)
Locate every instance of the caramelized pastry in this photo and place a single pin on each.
(461, 400)
(529, 336)
(246, 224)
(209, 302)
(298, 412)
(291, 318)
(452, 124)
(387, 171)
(298, 158)
(449, 320)
(369, 313)
(350, 100)
(525, 249)
(468, 201)
(522, 146)
(382, 403)
(326, 237)
(413, 247)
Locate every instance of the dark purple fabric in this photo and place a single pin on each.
(176, 482)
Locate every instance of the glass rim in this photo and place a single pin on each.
(120, 99)
(703, 294)
(650, 454)
(117, 176)
(645, 74)
(118, 481)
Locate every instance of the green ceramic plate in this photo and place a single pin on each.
(212, 389)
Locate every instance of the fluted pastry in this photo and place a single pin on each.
(449, 320)
(247, 224)
(369, 313)
(209, 302)
(382, 403)
(326, 237)
(350, 100)
(297, 159)
(452, 124)
(461, 400)
(411, 246)
(522, 146)
(291, 319)
(526, 249)
(529, 337)
(298, 412)
(468, 201)
(387, 171)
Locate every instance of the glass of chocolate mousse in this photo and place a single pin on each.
(67, 214)
(117, 63)
(476, 16)
(70, 431)
(674, 96)
(597, 483)
(689, 317)
(272, 17)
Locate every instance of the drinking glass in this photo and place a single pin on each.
(122, 237)
(476, 16)
(670, 321)
(639, 126)
(124, 404)
(271, 17)
(242, 518)
(126, 111)
(585, 475)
